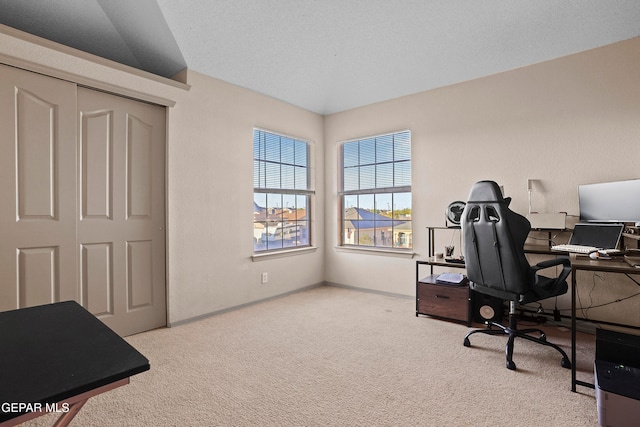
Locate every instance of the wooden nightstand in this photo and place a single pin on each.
(444, 301)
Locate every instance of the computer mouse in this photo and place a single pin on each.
(599, 255)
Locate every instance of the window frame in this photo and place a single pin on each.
(307, 193)
(392, 190)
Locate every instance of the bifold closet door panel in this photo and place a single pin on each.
(121, 197)
(38, 252)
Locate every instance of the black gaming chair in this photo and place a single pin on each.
(496, 265)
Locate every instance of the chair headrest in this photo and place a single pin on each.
(487, 191)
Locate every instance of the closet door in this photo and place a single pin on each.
(121, 220)
(38, 252)
(82, 207)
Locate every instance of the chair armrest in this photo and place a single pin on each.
(566, 267)
(552, 262)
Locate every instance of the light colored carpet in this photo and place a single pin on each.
(338, 357)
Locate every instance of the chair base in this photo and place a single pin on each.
(512, 332)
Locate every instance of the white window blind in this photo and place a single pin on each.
(282, 192)
(376, 191)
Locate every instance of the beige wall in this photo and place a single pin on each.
(210, 187)
(564, 122)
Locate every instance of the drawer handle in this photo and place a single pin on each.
(443, 296)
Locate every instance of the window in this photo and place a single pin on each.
(281, 192)
(376, 191)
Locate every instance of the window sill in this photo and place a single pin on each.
(283, 253)
(402, 253)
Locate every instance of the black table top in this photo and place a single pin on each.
(56, 351)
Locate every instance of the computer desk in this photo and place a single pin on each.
(584, 263)
(54, 357)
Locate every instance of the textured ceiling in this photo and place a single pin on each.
(329, 55)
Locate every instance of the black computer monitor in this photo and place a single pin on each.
(617, 201)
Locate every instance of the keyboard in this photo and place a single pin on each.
(581, 249)
(576, 249)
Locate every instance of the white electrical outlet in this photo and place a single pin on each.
(265, 278)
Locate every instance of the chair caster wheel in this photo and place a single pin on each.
(510, 365)
(565, 363)
(543, 338)
(467, 343)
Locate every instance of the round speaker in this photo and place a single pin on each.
(454, 212)
(486, 312)
(486, 308)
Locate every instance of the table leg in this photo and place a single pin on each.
(75, 404)
(573, 329)
(66, 418)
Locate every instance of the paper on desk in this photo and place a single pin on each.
(453, 278)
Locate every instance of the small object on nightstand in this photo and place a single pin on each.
(451, 278)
